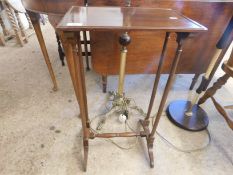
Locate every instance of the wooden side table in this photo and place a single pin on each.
(124, 19)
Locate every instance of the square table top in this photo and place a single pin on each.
(127, 19)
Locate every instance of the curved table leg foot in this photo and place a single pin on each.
(149, 139)
(150, 152)
(55, 88)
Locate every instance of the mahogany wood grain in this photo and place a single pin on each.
(146, 46)
(55, 7)
(214, 14)
(80, 18)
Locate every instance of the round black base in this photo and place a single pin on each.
(176, 112)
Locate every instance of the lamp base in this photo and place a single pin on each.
(197, 121)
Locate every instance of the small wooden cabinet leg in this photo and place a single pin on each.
(104, 83)
(86, 50)
(21, 27)
(29, 21)
(36, 25)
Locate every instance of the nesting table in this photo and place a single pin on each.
(125, 20)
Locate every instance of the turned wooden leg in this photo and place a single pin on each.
(14, 25)
(70, 62)
(21, 27)
(210, 93)
(180, 38)
(104, 83)
(2, 40)
(4, 30)
(29, 21)
(212, 90)
(227, 68)
(224, 114)
(71, 41)
(158, 74)
(145, 123)
(60, 50)
(229, 107)
(36, 24)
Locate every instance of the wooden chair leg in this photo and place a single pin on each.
(2, 40)
(4, 30)
(21, 27)
(212, 90)
(36, 24)
(29, 21)
(229, 107)
(14, 25)
(104, 83)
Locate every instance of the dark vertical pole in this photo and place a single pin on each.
(86, 50)
(194, 81)
(60, 50)
(85, 43)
